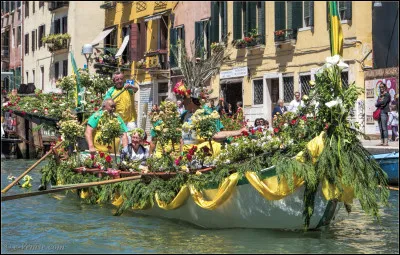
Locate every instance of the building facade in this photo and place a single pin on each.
(11, 43)
(52, 30)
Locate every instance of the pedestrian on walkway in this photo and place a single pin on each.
(383, 103)
(394, 122)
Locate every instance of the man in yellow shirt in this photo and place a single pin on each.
(125, 102)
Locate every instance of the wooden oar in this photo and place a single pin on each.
(67, 187)
(29, 169)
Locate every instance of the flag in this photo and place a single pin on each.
(336, 33)
(78, 81)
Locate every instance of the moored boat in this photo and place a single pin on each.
(389, 162)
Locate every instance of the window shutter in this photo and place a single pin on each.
(183, 36)
(327, 16)
(172, 44)
(245, 18)
(197, 39)
(237, 20)
(311, 10)
(297, 15)
(289, 15)
(252, 16)
(280, 16)
(207, 30)
(261, 21)
(143, 39)
(224, 19)
(134, 39)
(306, 9)
(348, 12)
(214, 22)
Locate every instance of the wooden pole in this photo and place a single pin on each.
(29, 169)
(67, 187)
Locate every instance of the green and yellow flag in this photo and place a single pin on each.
(336, 33)
(78, 81)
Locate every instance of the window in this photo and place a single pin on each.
(56, 70)
(345, 11)
(33, 76)
(13, 38)
(19, 35)
(41, 35)
(57, 26)
(288, 16)
(27, 76)
(162, 32)
(18, 4)
(33, 40)
(308, 13)
(345, 79)
(218, 21)
(33, 6)
(181, 38)
(18, 77)
(125, 53)
(162, 91)
(305, 84)
(258, 92)
(41, 4)
(64, 25)
(42, 77)
(12, 6)
(202, 42)
(65, 68)
(288, 88)
(111, 40)
(26, 43)
(26, 8)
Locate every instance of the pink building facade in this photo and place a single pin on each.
(12, 16)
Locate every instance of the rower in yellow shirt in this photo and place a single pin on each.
(125, 102)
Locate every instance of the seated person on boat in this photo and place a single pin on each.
(94, 125)
(135, 150)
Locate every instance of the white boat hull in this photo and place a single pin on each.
(246, 208)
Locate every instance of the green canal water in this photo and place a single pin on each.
(45, 224)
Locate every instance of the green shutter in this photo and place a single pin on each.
(224, 19)
(252, 16)
(311, 8)
(289, 15)
(172, 45)
(197, 38)
(245, 18)
(297, 15)
(183, 35)
(214, 22)
(261, 21)
(280, 16)
(327, 16)
(207, 30)
(306, 9)
(237, 20)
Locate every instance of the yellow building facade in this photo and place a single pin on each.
(144, 56)
(260, 75)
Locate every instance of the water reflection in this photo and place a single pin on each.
(66, 225)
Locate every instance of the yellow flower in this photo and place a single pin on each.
(184, 168)
(158, 128)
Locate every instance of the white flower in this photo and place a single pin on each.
(334, 60)
(342, 65)
(333, 103)
(305, 97)
(286, 125)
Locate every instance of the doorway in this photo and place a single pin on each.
(272, 96)
(232, 93)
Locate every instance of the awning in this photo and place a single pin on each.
(102, 35)
(123, 46)
(155, 16)
(230, 81)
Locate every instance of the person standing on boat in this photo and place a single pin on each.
(125, 102)
(93, 126)
(383, 103)
(296, 103)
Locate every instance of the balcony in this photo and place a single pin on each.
(108, 4)
(57, 5)
(157, 59)
(57, 43)
(285, 36)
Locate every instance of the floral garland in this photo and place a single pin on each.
(181, 90)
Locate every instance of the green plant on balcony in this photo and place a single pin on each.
(248, 41)
(284, 35)
(141, 64)
(217, 47)
(56, 41)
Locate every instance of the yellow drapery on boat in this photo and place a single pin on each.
(330, 192)
(224, 192)
(315, 146)
(269, 188)
(118, 200)
(178, 201)
(186, 147)
(84, 194)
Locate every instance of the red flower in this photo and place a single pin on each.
(101, 154)
(276, 130)
(189, 157)
(10, 111)
(252, 131)
(23, 112)
(206, 149)
(293, 122)
(304, 118)
(91, 156)
(326, 126)
(109, 147)
(108, 159)
(245, 133)
(177, 162)
(96, 108)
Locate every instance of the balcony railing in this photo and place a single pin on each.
(57, 5)
(285, 35)
(157, 60)
(5, 53)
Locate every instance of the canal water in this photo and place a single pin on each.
(59, 224)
